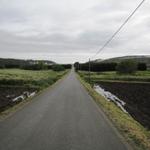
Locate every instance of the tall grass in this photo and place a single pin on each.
(143, 76)
(18, 77)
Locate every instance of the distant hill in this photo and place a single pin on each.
(138, 58)
(141, 59)
(21, 62)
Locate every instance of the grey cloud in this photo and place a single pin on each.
(70, 30)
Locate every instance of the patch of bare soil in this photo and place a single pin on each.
(7, 94)
(136, 96)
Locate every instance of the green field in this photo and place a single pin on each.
(141, 76)
(20, 77)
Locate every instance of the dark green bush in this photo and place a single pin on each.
(96, 67)
(39, 66)
(67, 66)
(127, 67)
(142, 66)
(58, 67)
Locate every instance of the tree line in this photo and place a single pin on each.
(32, 64)
(100, 67)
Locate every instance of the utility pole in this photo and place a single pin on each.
(89, 71)
(78, 67)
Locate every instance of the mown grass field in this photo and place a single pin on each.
(141, 76)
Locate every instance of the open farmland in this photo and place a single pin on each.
(30, 78)
(14, 82)
(135, 94)
(141, 76)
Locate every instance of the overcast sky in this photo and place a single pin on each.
(66, 31)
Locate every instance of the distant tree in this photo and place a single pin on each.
(142, 66)
(127, 67)
(41, 65)
(67, 66)
(76, 66)
(58, 67)
(2, 66)
(97, 67)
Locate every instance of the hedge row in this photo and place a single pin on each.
(98, 67)
(39, 66)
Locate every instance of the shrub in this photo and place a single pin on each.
(2, 66)
(142, 66)
(76, 66)
(96, 67)
(58, 67)
(67, 66)
(39, 66)
(127, 67)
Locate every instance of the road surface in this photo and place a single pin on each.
(62, 118)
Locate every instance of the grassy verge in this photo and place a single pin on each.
(133, 132)
(140, 76)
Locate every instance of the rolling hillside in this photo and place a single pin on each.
(20, 62)
(140, 59)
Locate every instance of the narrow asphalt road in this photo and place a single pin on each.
(62, 118)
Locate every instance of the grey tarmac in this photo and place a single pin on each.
(64, 117)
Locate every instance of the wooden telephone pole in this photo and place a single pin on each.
(89, 71)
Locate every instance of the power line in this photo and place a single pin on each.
(118, 30)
